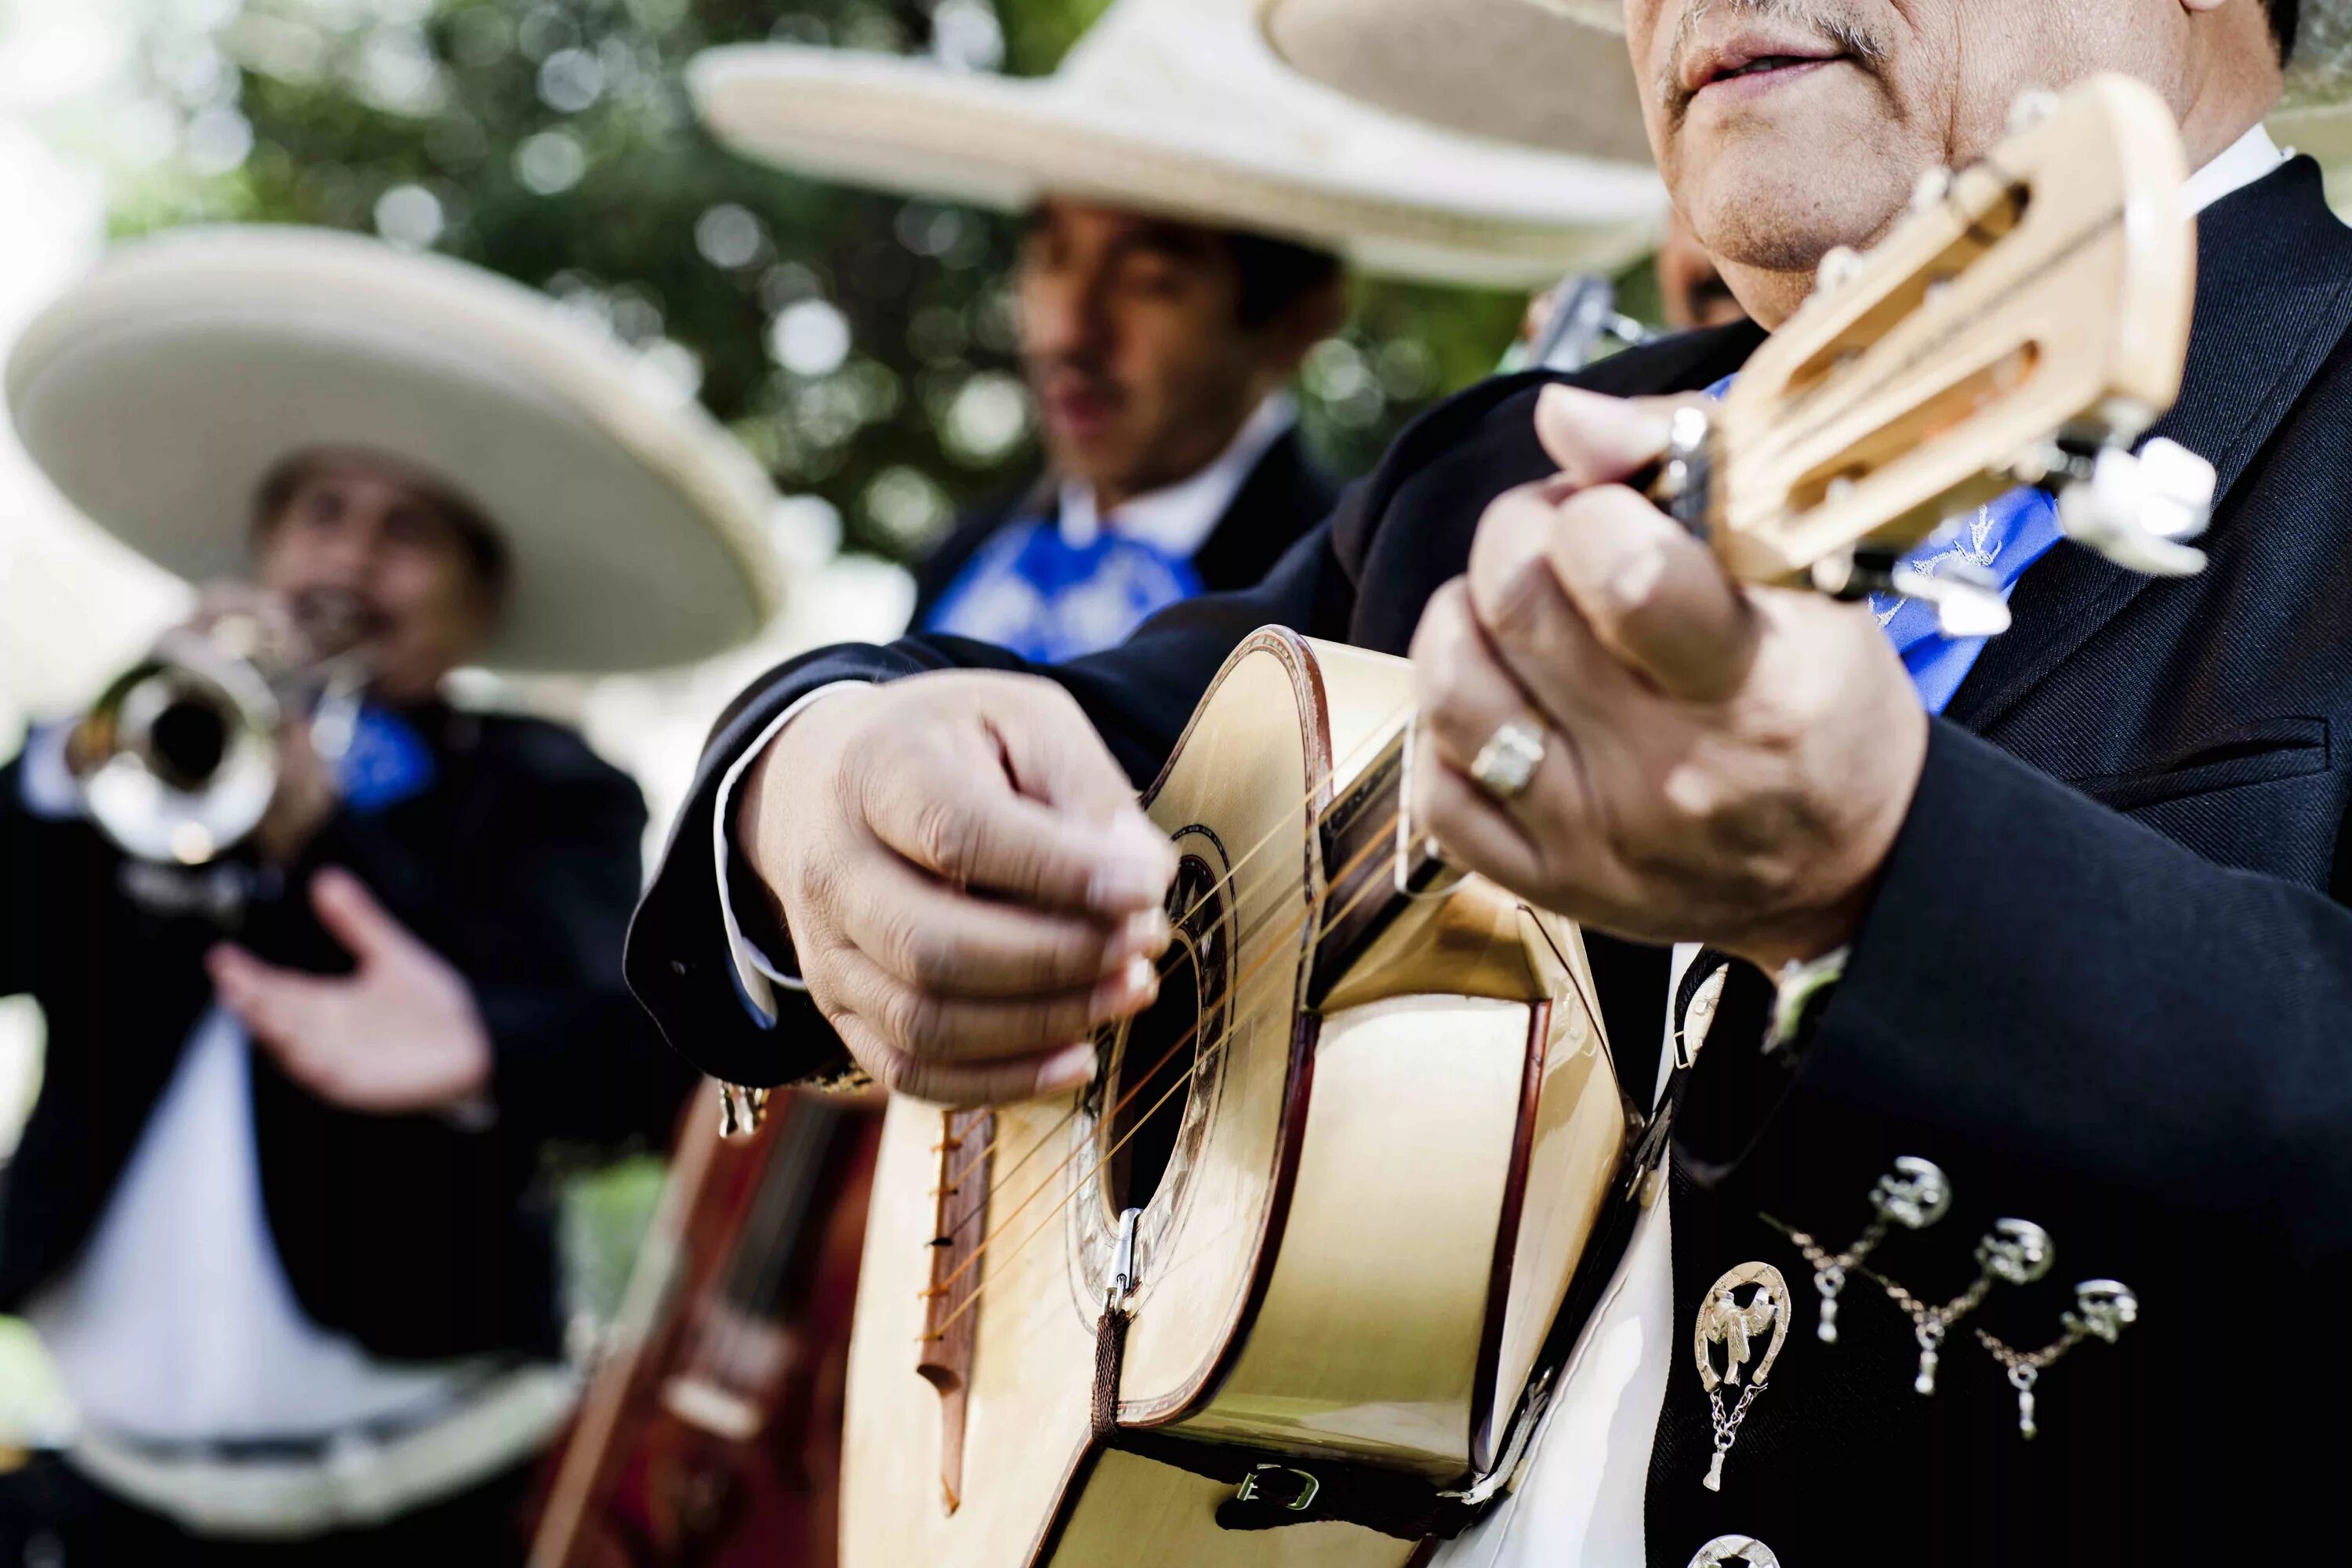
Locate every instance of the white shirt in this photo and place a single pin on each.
(178, 1324)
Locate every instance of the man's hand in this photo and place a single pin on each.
(399, 1035)
(966, 877)
(1722, 764)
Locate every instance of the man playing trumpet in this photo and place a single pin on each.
(279, 1214)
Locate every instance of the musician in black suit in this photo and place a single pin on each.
(1162, 309)
(282, 1214)
(2079, 938)
(1157, 352)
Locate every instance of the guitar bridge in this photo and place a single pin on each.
(951, 1318)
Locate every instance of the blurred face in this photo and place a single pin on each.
(1787, 127)
(1133, 339)
(359, 525)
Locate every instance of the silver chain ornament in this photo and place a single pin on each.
(2014, 1252)
(2103, 1310)
(1738, 1326)
(1915, 1195)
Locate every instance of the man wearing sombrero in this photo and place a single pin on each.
(1185, 230)
(278, 1213)
(2062, 1117)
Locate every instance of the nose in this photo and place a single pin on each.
(1066, 314)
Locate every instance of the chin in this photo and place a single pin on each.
(1768, 208)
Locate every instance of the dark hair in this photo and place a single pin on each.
(1276, 274)
(2286, 17)
(486, 551)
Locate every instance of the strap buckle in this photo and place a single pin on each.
(1253, 1488)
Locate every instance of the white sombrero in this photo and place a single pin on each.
(1181, 107)
(161, 391)
(1498, 69)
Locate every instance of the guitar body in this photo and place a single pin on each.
(709, 1437)
(1377, 1154)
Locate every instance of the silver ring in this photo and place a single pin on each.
(1506, 764)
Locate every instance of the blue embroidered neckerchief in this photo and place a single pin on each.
(2003, 538)
(1032, 591)
(387, 762)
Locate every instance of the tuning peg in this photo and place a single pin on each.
(1934, 185)
(1967, 598)
(1838, 265)
(2030, 108)
(2135, 509)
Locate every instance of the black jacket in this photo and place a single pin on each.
(422, 1239)
(2106, 983)
(1284, 497)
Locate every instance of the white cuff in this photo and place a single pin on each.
(756, 975)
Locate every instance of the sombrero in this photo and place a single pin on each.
(160, 391)
(1182, 107)
(1496, 69)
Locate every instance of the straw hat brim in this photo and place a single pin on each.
(1496, 69)
(163, 390)
(1270, 153)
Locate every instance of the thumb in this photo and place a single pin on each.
(1599, 440)
(351, 915)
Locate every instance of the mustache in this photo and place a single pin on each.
(1828, 19)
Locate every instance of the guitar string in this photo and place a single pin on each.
(1242, 939)
(1143, 1080)
(1045, 1222)
(1391, 724)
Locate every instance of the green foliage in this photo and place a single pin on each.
(550, 140)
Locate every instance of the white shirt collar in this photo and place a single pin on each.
(2238, 166)
(1178, 520)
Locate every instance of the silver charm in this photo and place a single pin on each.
(1740, 1327)
(1725, 1550)
(1915, 1195)
(2103, 1310)
(2014, 1252)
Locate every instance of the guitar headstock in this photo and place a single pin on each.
(2029, 316)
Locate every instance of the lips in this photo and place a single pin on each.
(1758, 60)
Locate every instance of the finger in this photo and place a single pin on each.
(1653, 594)
(1056, 1071)
(940, 1028)
(937, 939)
(351, 915)
(273, 1004)
(1473, 832)
(1599, 440)
(1527, 617)
(977, 832)
(1054, 754)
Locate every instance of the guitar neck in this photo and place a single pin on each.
(1371, 877)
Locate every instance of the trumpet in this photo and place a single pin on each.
(179, 758)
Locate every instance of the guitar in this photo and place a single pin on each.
(1314, 1244)
(709, 1435)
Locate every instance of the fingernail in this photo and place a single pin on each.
(1145, 934)
(1637, 577)
(1135, 869)
(1066, 1070)
(1133, 989)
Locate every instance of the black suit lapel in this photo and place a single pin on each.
(2273, 297)
(1284, 496)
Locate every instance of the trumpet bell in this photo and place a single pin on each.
(178, 760)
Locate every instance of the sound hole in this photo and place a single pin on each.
(1156, 1093)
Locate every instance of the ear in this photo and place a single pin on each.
(1315, 315)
